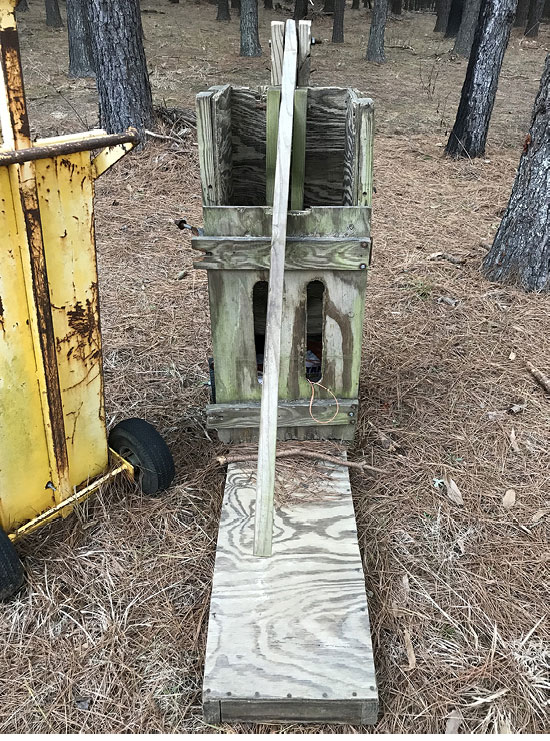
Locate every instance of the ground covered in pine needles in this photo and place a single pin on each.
(109, 633)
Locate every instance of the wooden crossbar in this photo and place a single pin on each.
(270, 389)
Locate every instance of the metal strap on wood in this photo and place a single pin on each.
(270, 388)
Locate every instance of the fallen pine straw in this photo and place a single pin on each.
(539, 376)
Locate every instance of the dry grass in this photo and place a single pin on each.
(109, 634)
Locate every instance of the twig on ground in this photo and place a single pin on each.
(294, 452)
(539, 376)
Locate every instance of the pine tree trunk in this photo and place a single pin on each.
(81, 59)
(522, 11)
(397, 7)
(22, 5)
(300, 10)
(328, 7)
(355, 5)
(250, 40)
(236, 5)
(268, 4)
(520, 253)
(53, 16)
(375, 47)
(465, 36)
(469, 133)
(455, 18)
(443, 10)
(338, 22)
(533, 18)
(223, 11)
(124, 89)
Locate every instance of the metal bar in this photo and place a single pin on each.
(59, 508)
(19, 156)
(263, 526)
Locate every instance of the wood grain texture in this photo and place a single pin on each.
(289, 636)
(339, 433)
(317, 221)
(272, 131)
(223, 149)
(277, 48)
(304, 53)
(302, 253)
(248, 118)
(298, 165)
(206, 148)
(272, 350)
(358, 159)
(289, 413)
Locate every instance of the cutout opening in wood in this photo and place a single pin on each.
(259, 310)
(315, 295)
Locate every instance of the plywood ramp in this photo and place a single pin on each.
(289, 636)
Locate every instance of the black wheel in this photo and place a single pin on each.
(141, 445)
(11, 570)
(212, 380)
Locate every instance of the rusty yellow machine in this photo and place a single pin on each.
(54, 449)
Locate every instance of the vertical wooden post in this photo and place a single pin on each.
(304, 53)
(298, 150)
(277, 46)
(263, 532)
(272, 133)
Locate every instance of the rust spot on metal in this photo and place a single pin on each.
(11, 66)
(83, 319)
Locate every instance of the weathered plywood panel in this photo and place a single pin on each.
(289, 636)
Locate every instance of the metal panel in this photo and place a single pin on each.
(65, 191)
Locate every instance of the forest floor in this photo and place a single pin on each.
(109, 634)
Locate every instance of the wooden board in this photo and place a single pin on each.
(302, 253)
(289, 413)
(289, 636)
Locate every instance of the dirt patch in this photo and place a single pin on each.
(109, 634)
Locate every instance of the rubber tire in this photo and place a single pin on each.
(138, 442)
(11, 569)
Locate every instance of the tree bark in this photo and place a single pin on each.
(397, 7)
(443, 10)
(522, 11)
(121, 69)
(375, 47)
(268, 4)
(53, 16)
(520, 253)
(465, 36)
(533, 18)
(328, 7)
(300, 10)
(250, 40)
(455, 18)
(22, 5)
(338, 22)
(223, 11)
(469, 132)
(355, 4)
(236, 5)
(81, 58)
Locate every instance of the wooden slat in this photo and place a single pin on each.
(222, 145)
(298, 166)
(358, 159)
(289, 636)
(248, 143)
(271, 133)
(206, 148)
(237, 435)
(270, 387)
(277, 47)
(304, 53)
(255, 221)
(253, 253)
(289, 414)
